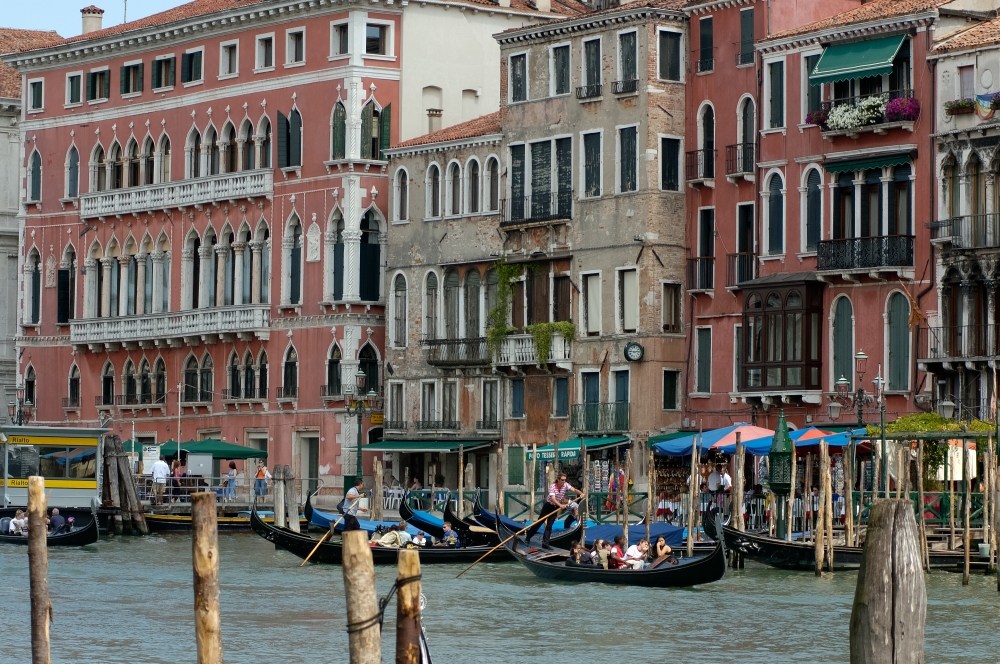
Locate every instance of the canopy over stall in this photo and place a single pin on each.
(810, 437)
(713, 439)
(425, 445)
(217, 448)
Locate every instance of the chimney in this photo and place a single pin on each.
(434, 119)
(503, 3)
(93, 18)
(543, 5)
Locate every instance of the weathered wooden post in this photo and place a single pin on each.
(924, 554)
(531, 484)
(461, 480)
(828, 480)
(377, 505)
(791, 497)
(966, 500)
(278, 477)
(127, 480)
(692, 489)
(363, 631)
(949, 477)
(810, 506)
(38, 571)
(890, 602)
(111, 465)
(408, 607)
(584, 511)
(738, 484)
(650, 488)
(819, 530)
(848, 462)
(292, 499)
(500, 480)
(205, 557)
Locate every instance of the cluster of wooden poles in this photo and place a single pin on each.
(286, 504)
(120, 490)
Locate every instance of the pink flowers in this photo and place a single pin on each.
(902, 109)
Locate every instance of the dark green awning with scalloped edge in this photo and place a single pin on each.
(840, 62)
(851, 165)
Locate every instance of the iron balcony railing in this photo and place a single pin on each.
(957, 342)
(745, 54)
(701, 273)
(104, 401)
(396, 425)
(488, 425)
(434, 425)
(886, 96)
(331, 391)
(71, 402)
(624, 87)
(536, 208)
(600, 417)
(287, 392)
(589, 91)
(457, 352)
(699, 164)
(703, 59)
(247, 393)
(741, 158)
(740, 268)
(972, 231)
(862, 253)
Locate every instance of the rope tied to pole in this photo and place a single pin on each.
(379, 617)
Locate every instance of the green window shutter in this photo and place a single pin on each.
(139, 76)
(157, 67)
(775, 221)
(185, 67)
(517, 182)
(366, 131)
(899, 342)
(746, 34)
(107, 85)
(294, 138)
(282, 140)
(384, 131)
(670, 164)
(670, 56)
(628, 157)
(63, 296)
(627, 46)
(541, 179)
(814, 204)
(123, 82)
(704, 360)
(777, 70)
(592, 163)
(515, 465)
(843, 342)
(339, 131)
(173, 72)
(592, 53)
(91, 86)
(670, 390)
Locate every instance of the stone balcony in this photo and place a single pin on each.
(230, 187)
(519, 349)
(174, 328)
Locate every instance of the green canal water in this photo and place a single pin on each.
(130, 601)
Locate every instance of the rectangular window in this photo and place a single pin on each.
(560, 70)
(449, 404)
(375, 42)
(560, 391)
(295, 48)
(703, 377)
(746, 37)
(131, 79)
(35, 96)
(164, 72)
(967, 82)
(776, 101)
(515, 465)
(629, 166)
(98, 85)
(265, 52)
(670, 56)
(561, 299)
(672, 308)
(628, 69)
(670, 164)
(628, 300)
(339, 45)
(517, 397)
(228, 60)
(592, 300)
(706, 45)
(814, 94)
(491, 390)
(592, 61)
(518, 77)
(428, 402)
(191, 67)
(738, 355)
(73, 89)
(592, 164)
(671, 380)
(396, 402)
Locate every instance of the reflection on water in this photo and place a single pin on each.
(130, 600)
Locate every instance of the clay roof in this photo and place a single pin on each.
(984, 34)
(20, 40)
(875, 10)
(669, 5)
(481, 126)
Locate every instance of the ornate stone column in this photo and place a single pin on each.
(991, 318)
(123, 287)
(141, 306)
(205, 254)
(329, 263)
(238, 295)
(221, 252)
(968, 293)
(156, 306)
(255, 249)
(106, 265)
(287, 243)
(91, 298)
(352, 263)
(187, 278)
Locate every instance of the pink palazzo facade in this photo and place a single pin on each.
(205, 202)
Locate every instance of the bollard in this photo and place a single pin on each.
(205, 559)
(408, 608)
(890, 602)
(364, 633)
(291, 500)
(38, 570)
(278, 478)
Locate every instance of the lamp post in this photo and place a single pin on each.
(780, 472)
(366, 403)
(20, 411)
(842, 398)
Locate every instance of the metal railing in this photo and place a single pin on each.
(239, 490)
(703, 59)
(973, 231)
(435, 425)
(623, 87)
(333, 391)
(536, 208)
(398, 425)
(610, 417)
(701, 273)
(741, 158)
(488, 425)
(740, 268)
(286, 392)
(457, 352)
(744, 56)
(865, 253)
(957, 341)
(105, 401)
(589, 91)
(699, 164)
(887, 96)
(71, 402)
(248, 393)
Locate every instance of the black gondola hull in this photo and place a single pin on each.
(80, 536)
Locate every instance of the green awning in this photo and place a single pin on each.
(217, 448)
(570, 449)
(851, 165)
(425, 445)
(840, 62)
(663, 437)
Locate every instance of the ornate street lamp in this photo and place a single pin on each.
(779, 465)
(365, 403)
(20, 411)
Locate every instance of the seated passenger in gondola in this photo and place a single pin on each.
(57, 522)
(419, 539)
(450, 537)
(18, 525)
(636, 554)
(390, 539)
(404, 537)
(603, 553)
(616, 556)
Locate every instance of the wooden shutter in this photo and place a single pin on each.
(371, 254)
(593, 289)
(630, 300)
(843, 341)
(540, 297)
(628, 157)
(63, 297)
(517, 182)
(91, 86)
(186, 67)
(366, 130)
(36, 177)
(561, 55)
(73, 188)
(107, 85)
(814, 202)
(123, 83)
(338, 271)
(139, 69)
(706, 40)
(592, 53)
(592, 163)
(562, 396)
(627, 45)
(899, 343)
(173, 71)
(561, 296)
(282, 140)
(564, 165)
(670, 164)
(295, 275)
(517, 305)
(775, 222)
(670, 56)
(36, 293)
(384, 131)
(777, 94)
(704, 360)
(294, 138)
(157, 67)
(541, 179)
(339, 131)
(746, 32)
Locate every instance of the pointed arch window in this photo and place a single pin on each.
(399, 311)
(814, 207)
(338, 261)
(402, 196)
(339, 147)
(195, 272)
(434, 191)
(194, 156)
(148, 161)
(129, 386)
(191, 380)
(290, 375)
(73, 173)
(131, 292)
(249, 379)
(375, 128)
(265, 144)
(368, 362)
(229, 268)
(265, 268)
(214, 162)
(708, 143)
(247, 148)
(117, 167)
(165, 160)
(100, 178)
(35, 177)
(34, 310)
(73, 400)
(493, 175)
(66, 287)
(472, 283)
(108, 385)
(451, 294)
(29, 387)
(262, 377)
(134, 165)
(371, 256)
(295, 263)
(160, 381)
(235, 377)
(430, 306)
(145, 383)
(473, 194)
(231, 147)
(775, 216)
(206, 385)
(843, 341)
(333, 383)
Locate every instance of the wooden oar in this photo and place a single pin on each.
(328, 533)
(528, 527)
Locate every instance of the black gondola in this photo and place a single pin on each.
(693, 571)
(773, 552)
(81, 535)
(331, 552)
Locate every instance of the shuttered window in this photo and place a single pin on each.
(191, 67)
(564, 173)
(814, 205)
(814, 97)
(560, 69)
(517, 398)
(472, 283)
(561, 299)
(670, 56)
(775, 217)
(73, 174)
(367, 118)
(843, 342)
(592, 297)
(35, 177)
(399, 312)
(592, 164)
(746, 36)
(560, 389)
(517, 304)
(704, 374)
(65, 285)
(282, 140)
(295, 271)
(517, 181)
(671, 308)
(515, 464)
(430, 307)
(899, 343)
(370, 258)
(592, 61)
(518, 78)
(627, 55)
(670, 381)
(339, 131)
(491, 390)
(451, 305)
(384, 131)
(706, 43)
(541, 179)
(776, 75)
(670, 170)
(627, 144)
(294, 138)
(628, 300)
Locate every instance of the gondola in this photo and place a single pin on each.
(331, 552)
(322, 519)
(180, 523)
(80, 536)
(773, 552)
(697, 570)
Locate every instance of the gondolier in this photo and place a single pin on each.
(555, 501)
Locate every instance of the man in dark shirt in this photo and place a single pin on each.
(57, 522)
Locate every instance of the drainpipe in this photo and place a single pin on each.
(932, 189)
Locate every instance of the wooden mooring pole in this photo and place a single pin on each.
(890, 601)
(408, 607)
(924, 554)
(205, 557)
(692, 495)
(292, 501)
(38, 570)
(278, 477)
(737, 498)
(848, 463)
(819, 530)
(364, 633)
(791, 500)
(828, 511)
(966, 500)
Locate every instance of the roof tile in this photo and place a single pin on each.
(481, 126)
(12, 40)
(984, 34)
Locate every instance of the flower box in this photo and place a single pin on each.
(960, 107)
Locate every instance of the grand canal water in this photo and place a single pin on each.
(130, 601)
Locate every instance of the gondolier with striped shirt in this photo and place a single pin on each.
(555, 501)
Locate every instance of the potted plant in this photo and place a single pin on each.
(817, 117)
(902, 109)
(868, 111)
(959, 106)
(995, 101)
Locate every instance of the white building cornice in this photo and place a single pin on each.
(427, 148)
(708, 7)
(587, 22)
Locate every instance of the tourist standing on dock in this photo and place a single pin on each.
(260, 482)
(160, 470)
(555, 501)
